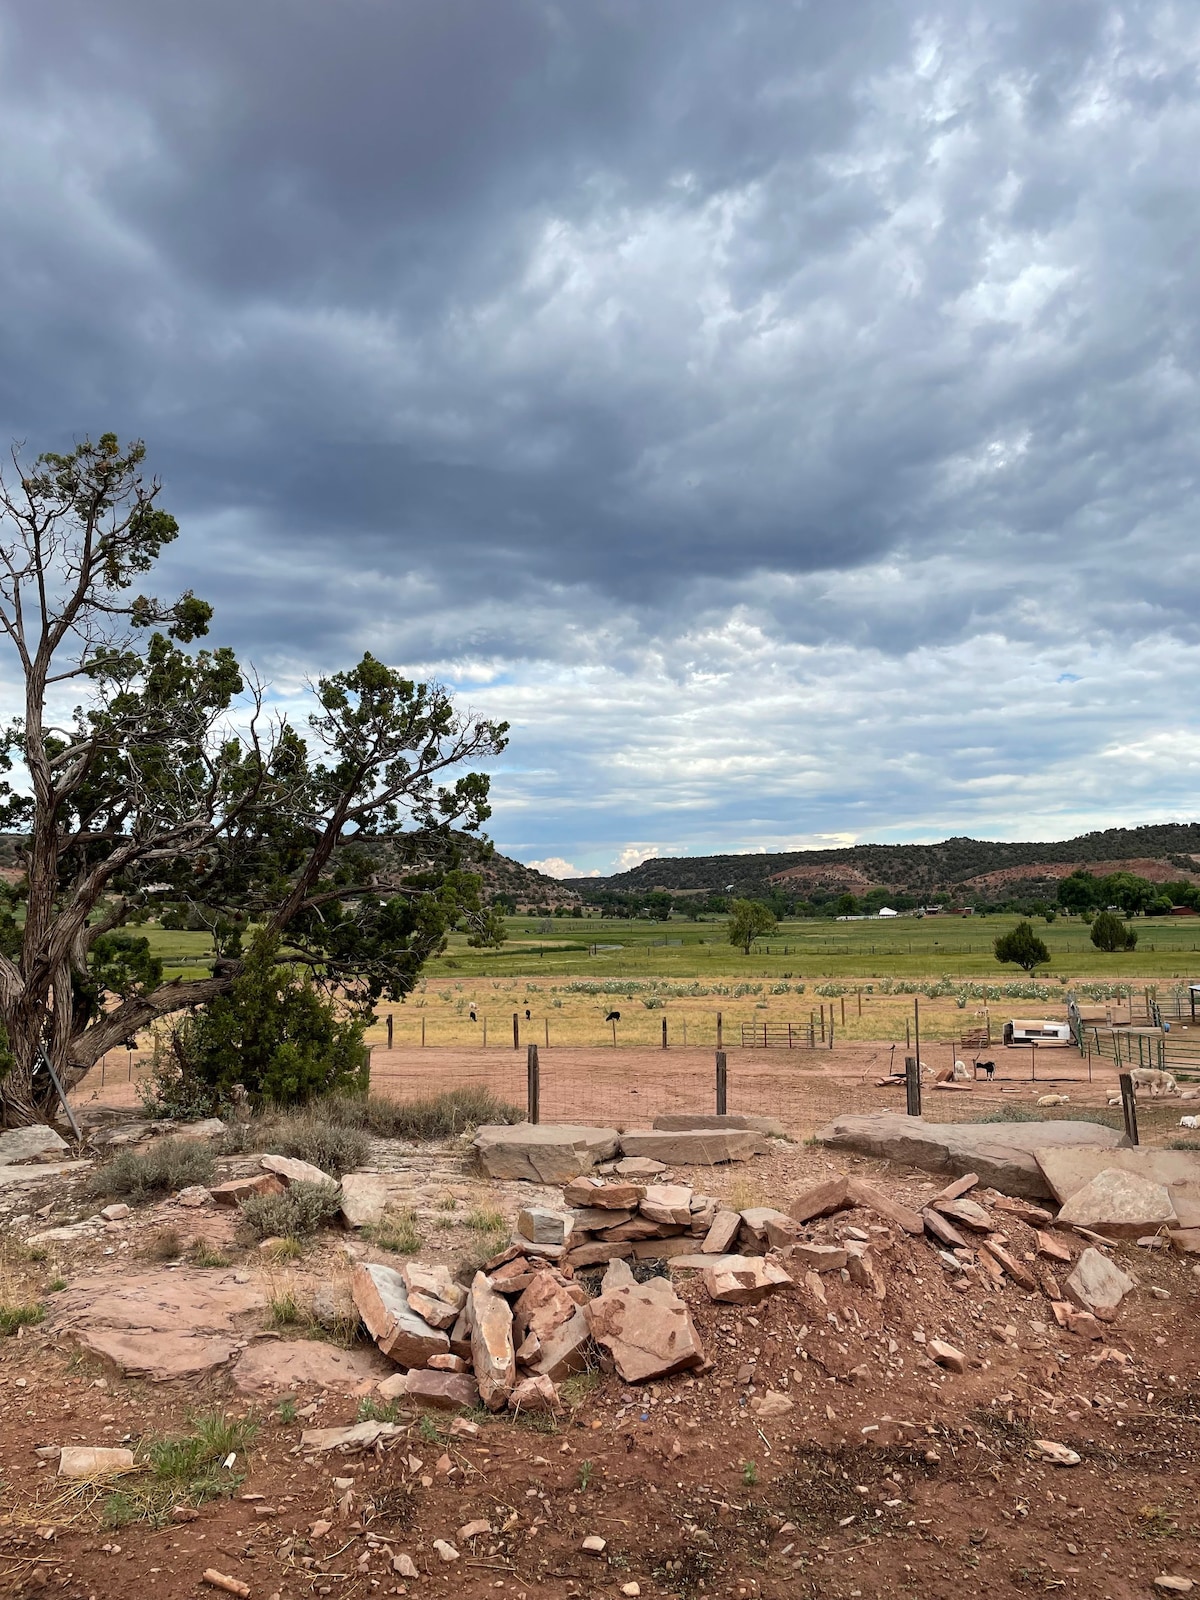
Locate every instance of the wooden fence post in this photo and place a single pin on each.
(485, 1033)
(720, 1041)
(516, 1031)
(664, 1033)
(422, 1033)
(843, 1011)
(547, 1033)
(389, 1028)
(533, 1086)
(1129, 1107)
(912, 1083)
(722, 1084)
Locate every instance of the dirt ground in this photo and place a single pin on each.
(889, 1475)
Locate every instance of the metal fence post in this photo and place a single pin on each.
(1129, 1107)
(533, 1086)
(722, 1084)
(912, 1077)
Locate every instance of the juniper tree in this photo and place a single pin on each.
(145, 775)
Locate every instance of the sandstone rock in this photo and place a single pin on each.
(1186, 1241)
(275, 1365)
(590, 1255)
(27, 1144)
(754, 1225)
(441, 1391)
(872, 1199)
(382, 1301)
(662, 1249)
(744, 1280)
(723, 1232)
(647, 1329)
(1123, 1204)
(359, 1437)
(669, 1203)
(1016, 1271)
(446, 1552)
(1002, 1154)
(158, 1357)
(771, 1406)
(1098, 1285)
(435, 1281)
(565, 1351)
(681, 1121)
(704, 1214)
(822, 1200)
(942, 1229)
(1024, 1210)
(545, 1306)
(1067, 1171)
(473, 1530)
(818, 1257)
(492, 1354)
(116, 1213)
(435, 1312)
(1170, 1583)
(528, 1350)
(1059, 1455)
(604, 1196)
(365, 1198)
(1082, 1323)
(460, 1334)
(13, 1176)
(404, 1566)
(640, 1228)
(865, 1271)
(638, 1167)
(239, 1189)
(969, 1213)
(594, 1545)
(290, 1170)
(447, 1363)
(960, 1186)
(1049, 1246)
(617, 1274)
(535, 1394)
(544, 1226)
(542, 1152)
(195, 1195)
(93, 1461)
(196, 1132)
(591, 1219)
(696, 1149)
(687, 1266)
(947, 1356)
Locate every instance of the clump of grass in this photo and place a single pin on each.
(395, 1231)
(166, 1245)
(310, 1135)
(13, 1317)
(441, 1116)
(372, 1410)
(744, 1194)
(186, 1470)
(285, 1309)
(1021, 1113)
(55, 1285)
(168, 1166)
(1183, 1144)
(574, 1391)
(483, 1221)
(475, 1259)
(285, 1249)
(203, 1254)
(286, 1410)
(749, 1474)
(447, 1203)
(297, 1213)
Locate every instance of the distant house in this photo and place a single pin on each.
(886, 911)
(1183, 911)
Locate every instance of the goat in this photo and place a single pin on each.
(989, 1069)
(613, 1016)
(1157, 1082)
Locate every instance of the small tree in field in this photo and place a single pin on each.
(1022, 946)
(1110, 934)
(749, 920)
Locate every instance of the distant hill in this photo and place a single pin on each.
(977, 868)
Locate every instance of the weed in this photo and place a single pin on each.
(749, 1474)
(585, 1474)
(186, 1470)
(483, 1221)
(287, 1248)
(1183, 1144)
(1155, 1522)
(440, 1116)
(202, 1254)
(286, 1410)
(536, 1421)
(166, 1245)
(427, 1428)
(285, 1309)
(370, 1410)
(168, 1166)
(120, 1509)
(574, 1391)
(444, 1224)
(743, 1195)
(55, 1285)
(14, 1317)
(39, 1253)
(475, 1259)
(447, 1203)
(395, 1231)
(296, 1213)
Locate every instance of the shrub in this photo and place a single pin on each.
(14, 1317)
(395, 1231)
(311, 1136)
(1021, 946)
(298, 1212)
(168, 1166)
(441, 1116)
(1110, 934)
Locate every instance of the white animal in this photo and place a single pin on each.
(1054, 1099)
(1114, 1099)
(1157, 1082)
(1190, 1122)
(961, 1072)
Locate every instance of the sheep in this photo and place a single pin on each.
(961, 1075)
(1190, 1122)
(1054, 1099)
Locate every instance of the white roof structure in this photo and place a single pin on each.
(886, 911)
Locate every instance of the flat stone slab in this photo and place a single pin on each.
(27, 1144)
(1067, 1171)
(12, 1175)
(1123, 1204)
(365, 1198)
(381, 1297)
(708, 1147)
(200, 1301)
(1003, 1154)
(542, 1152)
(681, 1121)
(1098, 1285)
(159, 1357)
(290, 1170)
(273, 1366)
(647, 1329)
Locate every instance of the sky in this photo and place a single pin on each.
(783, 414)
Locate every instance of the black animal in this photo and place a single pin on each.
(613, 1016)
(989, 1068)
(527, 1014)
(473, 1016)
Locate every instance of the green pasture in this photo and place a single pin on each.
(909, 947)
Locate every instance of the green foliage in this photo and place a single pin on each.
(395, 1231)
(372, 1410)
(274, 1033)
(1022, 946)
(442, 1116)
(19, 1316)
(1110, 934)
(168, 1166)
(295, 1214)
(749, 920)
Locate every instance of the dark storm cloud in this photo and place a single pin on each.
(508, 336)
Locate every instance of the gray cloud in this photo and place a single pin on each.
(707, 377)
